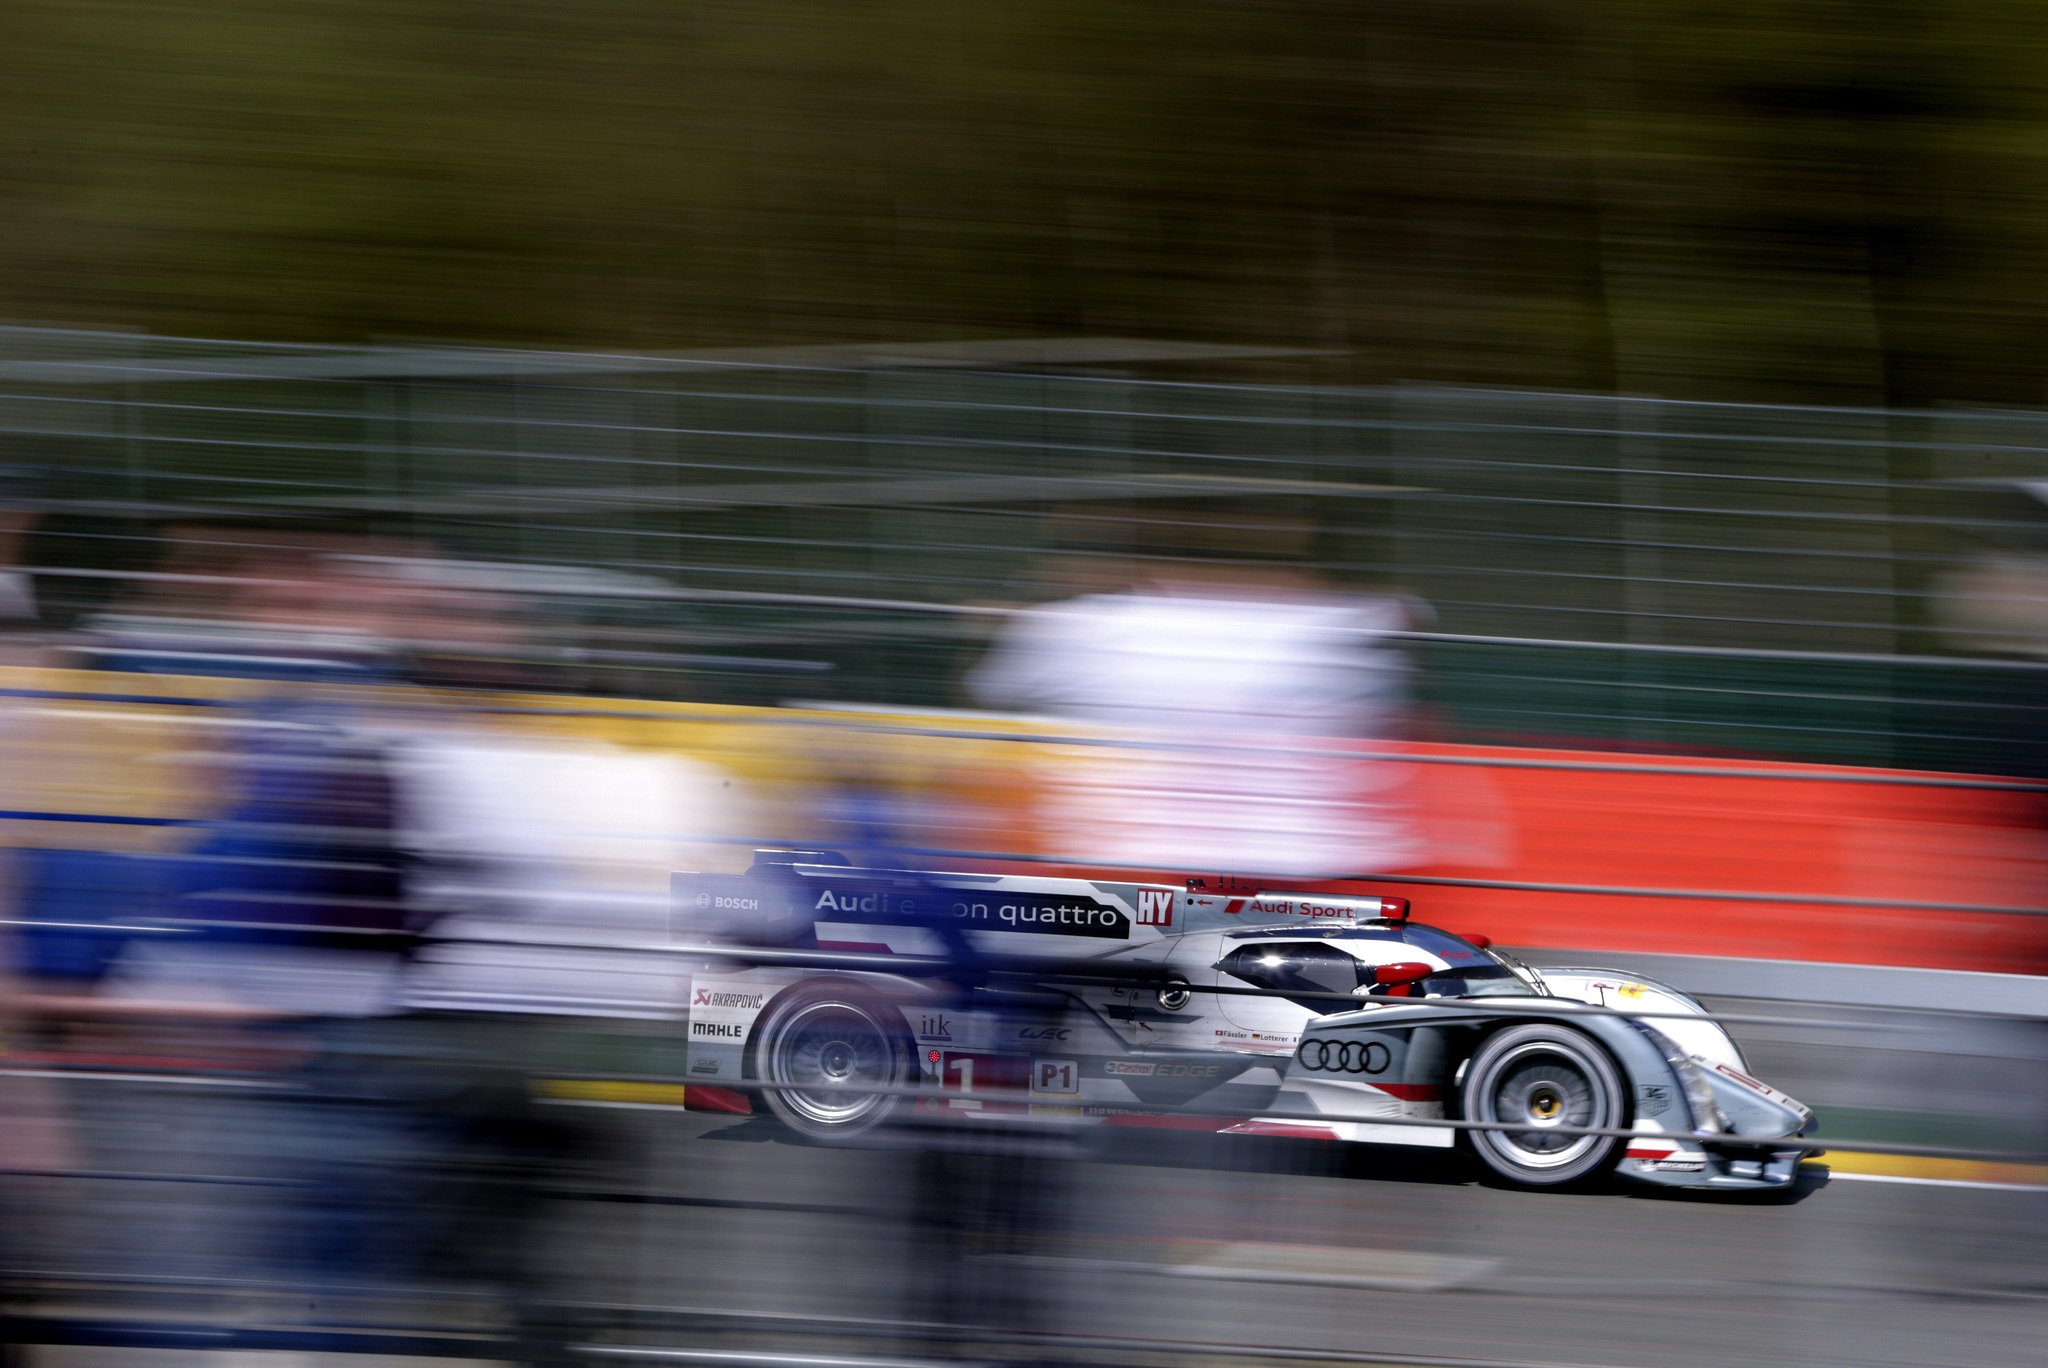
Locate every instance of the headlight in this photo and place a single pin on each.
(1699, 1094)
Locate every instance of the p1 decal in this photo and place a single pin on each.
(1055, 1076)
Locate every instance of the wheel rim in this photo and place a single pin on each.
(832, 1043)
(1549, 1086)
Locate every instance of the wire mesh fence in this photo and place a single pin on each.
(1745, 580)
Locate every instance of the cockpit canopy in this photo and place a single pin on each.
(1342, 960)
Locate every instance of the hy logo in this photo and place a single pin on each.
(1155, 907)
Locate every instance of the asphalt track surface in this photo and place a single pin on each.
(1847, 1273)
(1850, 1273)
(1233, 1240)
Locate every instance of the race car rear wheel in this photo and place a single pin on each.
(827, 1034)
(1550, 1077)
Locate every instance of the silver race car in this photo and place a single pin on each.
(1237, 1010)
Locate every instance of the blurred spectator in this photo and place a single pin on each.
(357, 822)
(33, 1141)
(252, 603)
(22, 491)
(1232, 669)
(1998, 603)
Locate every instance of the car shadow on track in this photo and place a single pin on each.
(1389, 1164)
(1292, 1157)
(1144, 1146)
(756, 1130)
(1812, 1178)
(1160, 1148)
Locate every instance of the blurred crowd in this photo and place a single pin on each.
(296, 811)
(368, 888)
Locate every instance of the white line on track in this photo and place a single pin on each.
(1937, 1182)
(620, 1106)
(174, 1080)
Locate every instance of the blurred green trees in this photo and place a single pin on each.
(1805, 200)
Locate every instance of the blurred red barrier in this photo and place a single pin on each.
(1625, 825)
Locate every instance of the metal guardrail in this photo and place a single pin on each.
(1000, 975)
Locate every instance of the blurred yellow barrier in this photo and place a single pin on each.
(123, 762)
(606, 1090)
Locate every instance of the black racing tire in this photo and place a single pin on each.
(1548, 1076)
(833, 1032)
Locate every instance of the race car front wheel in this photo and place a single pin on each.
(825, 1037)
(1550, 1077)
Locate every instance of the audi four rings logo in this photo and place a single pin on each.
(1348, 1057)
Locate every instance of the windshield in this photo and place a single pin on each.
(1297, 967)
(1488, 974)
(1320, 967)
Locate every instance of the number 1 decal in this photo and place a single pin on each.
(964, 1066)
(962, 1071)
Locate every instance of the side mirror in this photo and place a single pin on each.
(1475, 938)
(1385, 975)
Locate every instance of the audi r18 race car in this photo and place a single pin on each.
(1273, 1013)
